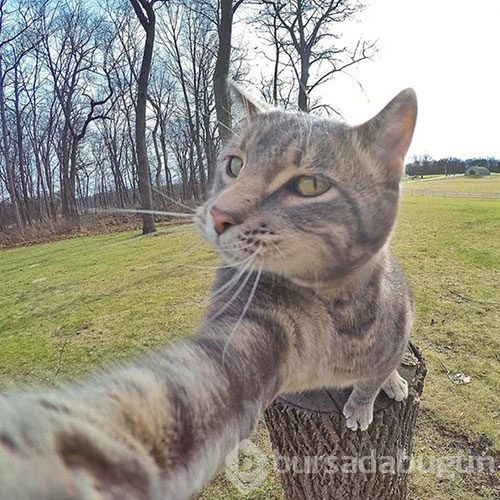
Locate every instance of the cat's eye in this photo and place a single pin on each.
(234, 166)
(311, 185)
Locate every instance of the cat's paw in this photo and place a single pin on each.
(396, 387)
(358, 415)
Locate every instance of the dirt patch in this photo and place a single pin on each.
(454, 442)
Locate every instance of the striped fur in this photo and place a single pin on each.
(324, 303)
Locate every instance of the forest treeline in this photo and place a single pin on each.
(425, 165)
(124, 103)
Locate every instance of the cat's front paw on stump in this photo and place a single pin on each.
(396, 387)
(358, 415)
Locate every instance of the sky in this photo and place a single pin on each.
(449, 52)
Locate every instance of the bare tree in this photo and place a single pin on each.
(144, 10)
(183, 32)
(9, 167)
(125, 81)
(304, 30)
(73, 63)
(161, 97)
(9, 36)
(86, 101)
(227, 8)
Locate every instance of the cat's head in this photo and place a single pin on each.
(307, 197)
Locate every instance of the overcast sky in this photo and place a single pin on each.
(449, 51)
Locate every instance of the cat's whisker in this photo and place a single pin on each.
(173, 229)
(217, 267)
(192, 249)
(233, 298)
(235, 247)
(246, 259)
(238, 244)
(229, 129)
(177, 227)
(173, 200)
(230, 284)
(168, 230)
(278, 249)
(237, 293)
(224, 266)
(243, 312)
(152, 212)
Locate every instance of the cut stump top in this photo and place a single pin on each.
(332, 401)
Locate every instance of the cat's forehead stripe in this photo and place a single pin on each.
(278, 140)
(275, 142)
(281, 178)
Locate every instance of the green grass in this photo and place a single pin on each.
(106, 298)
(456, 183)
(451, 253)
(103, 298)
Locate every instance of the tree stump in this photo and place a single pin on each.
(318, 457)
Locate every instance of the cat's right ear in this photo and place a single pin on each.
(388, 135)
(248, 105)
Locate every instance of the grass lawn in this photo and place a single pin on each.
(84, 303)
(456, 183)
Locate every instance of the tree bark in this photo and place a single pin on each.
(168, 173)
(9, 167)
(222, 102)
(318, 457)
(148, 20)
(72, 205)
(23, 174)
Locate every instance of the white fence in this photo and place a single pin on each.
(452, 194)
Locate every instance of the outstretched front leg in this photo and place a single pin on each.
(358, 410)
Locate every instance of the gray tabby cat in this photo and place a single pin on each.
(301, 212)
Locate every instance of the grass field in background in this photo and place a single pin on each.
(103, 298)
(83, 303)
(456, 183)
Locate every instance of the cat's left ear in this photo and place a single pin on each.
(249, 105)
(388, 135)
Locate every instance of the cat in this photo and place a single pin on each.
(309, 295)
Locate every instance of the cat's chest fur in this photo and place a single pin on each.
(355, 335)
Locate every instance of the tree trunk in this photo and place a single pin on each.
(9, 167)
(20, 150)
(318, 457)
(143, 171)
(168, 174)
(222, 102)
(159, 165)
(303, 100)
(73, 207)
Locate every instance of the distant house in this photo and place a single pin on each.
(476, 171)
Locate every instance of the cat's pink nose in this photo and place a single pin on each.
(222, 220)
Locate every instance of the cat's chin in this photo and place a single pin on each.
(328, 281)
(316, 285)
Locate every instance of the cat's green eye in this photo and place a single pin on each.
(311, 185)
(234, 166)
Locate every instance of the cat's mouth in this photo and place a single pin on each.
(242, 245)
(252, 248)
(256, 247)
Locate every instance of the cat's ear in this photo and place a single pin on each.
(249, 106)
(388, 135)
